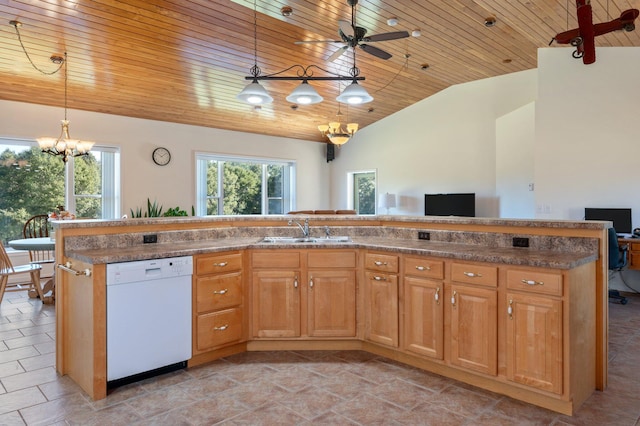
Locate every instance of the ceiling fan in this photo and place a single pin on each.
(352, 35)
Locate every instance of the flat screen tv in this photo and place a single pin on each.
(621, 218)
(463, 204)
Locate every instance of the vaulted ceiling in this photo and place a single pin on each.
(184, 61)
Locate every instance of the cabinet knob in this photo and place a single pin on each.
(532, 282)
(225, 291)
(221, 264)
(221, 328)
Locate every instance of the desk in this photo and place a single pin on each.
(42, 243)
(634, 252)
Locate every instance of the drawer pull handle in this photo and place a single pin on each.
(225, 291)
(423, 268)
(378, 263)
(472, 274)
(532, 282)
(510, 309)
(221, 264)
(377, 278)
(453, 299)
(437, 296)
(311, 283)
(221, 328)
(295, 282)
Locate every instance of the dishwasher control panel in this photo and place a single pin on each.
(146, 270)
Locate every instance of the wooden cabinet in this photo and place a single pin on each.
(381, 298)
(423, 306)
(634, 255)
(534, 355)
(218, 301)
(308, 293)
(473, 300)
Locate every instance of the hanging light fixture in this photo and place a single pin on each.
(336, 133)
(254, 93)
(63, 146)
(304, 94)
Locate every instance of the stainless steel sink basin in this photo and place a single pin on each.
(309, 240)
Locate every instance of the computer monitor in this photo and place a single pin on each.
(621, 218)
(450, 204)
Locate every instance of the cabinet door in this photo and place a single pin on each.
(534, 341)
(332, 303)
(381, 310)
(276, 304)
(474, 327)
(424, 317)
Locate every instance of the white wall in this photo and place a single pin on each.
(445, 143)
(174, 184)
(587, 139)
(514, 163)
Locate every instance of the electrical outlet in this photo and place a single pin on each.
(520, 242)
(422, 235)
(147, 239)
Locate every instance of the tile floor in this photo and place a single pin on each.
(301, 388)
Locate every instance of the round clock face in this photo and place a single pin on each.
(161, 156)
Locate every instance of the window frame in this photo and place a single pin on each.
(289, 184)
(351, 196)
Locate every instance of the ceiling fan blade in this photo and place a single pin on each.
(375, 51)
(387, 36)
(335, 55)
(317, 41)
(346, 28)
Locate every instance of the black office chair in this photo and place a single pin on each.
(617, 261)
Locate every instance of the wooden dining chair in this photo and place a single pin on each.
(38, 226)
(7, 269)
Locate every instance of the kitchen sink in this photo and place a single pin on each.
(308, 240)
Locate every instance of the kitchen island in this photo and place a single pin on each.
(456, 304)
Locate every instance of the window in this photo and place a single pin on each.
(32, 182)
(362, 191)
(239, 186)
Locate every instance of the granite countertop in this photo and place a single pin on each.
(468, 252)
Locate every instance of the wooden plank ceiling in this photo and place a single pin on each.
(184, 61)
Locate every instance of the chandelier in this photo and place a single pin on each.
(336, 133)
(304, 94)
(63, 145)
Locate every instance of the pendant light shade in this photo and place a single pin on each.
(255, 94)
(304, 94)
(354, 94)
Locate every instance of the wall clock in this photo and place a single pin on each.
(161, 156)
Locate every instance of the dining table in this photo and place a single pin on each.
(38, 243)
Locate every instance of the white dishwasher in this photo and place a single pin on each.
(148, 318)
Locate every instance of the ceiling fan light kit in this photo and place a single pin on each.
(255, 94)
(354, 94)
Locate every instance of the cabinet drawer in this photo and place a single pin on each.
(331, 259)
(218, 292)
(422, 267)
(275, 259)
(634, 246)
(219, 328)
(381, 262)
(535, 282)
(474, 274)
(218, 263)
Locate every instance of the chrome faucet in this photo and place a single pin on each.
(304, 229)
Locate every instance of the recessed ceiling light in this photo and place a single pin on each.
(506, 61)
(392, 22)
(416, 33)
(424, 66)
(286, 11)
(489, 21)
